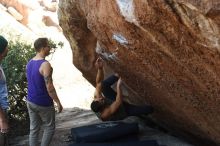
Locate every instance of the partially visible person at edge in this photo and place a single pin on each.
(108, 105)
(41, 94)
(4, 126)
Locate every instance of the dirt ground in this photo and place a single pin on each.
(76, 117)
(69, 118)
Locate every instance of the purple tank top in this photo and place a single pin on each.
(37, 91)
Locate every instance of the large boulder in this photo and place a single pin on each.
(167, 52)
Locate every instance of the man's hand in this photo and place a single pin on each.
(59, 107)
(4, 126)
(3, 122)
(99, 63)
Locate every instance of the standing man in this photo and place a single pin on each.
(41, 95)
(3, 95)
(108, 105)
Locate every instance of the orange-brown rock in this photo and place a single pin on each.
(15, 13)
(167, 52)
(24, 7)
(32, 13)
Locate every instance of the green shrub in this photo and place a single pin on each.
(14, 65)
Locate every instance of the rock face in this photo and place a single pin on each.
(167, 52)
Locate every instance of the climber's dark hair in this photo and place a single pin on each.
(96, 106)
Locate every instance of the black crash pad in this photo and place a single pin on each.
(103, 132)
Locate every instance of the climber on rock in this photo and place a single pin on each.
(108, 105)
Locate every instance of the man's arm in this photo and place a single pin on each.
(47, 72)
(107, 112)
(3, 122)
(99, 76)
(100, 73)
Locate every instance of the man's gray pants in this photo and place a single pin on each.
(41, 116)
